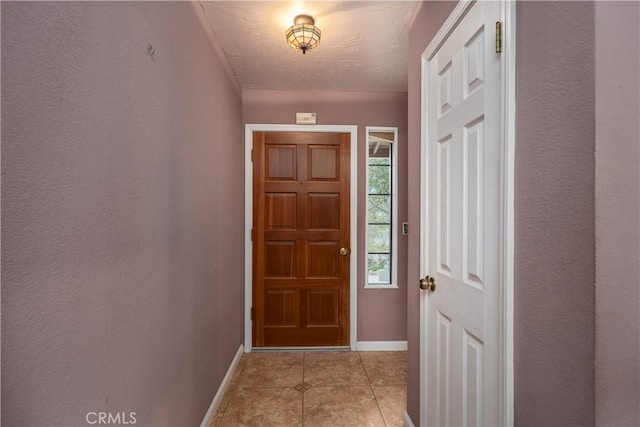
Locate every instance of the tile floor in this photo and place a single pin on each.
(316, 389)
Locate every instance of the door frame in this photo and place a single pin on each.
(507, 191)
(248, 219)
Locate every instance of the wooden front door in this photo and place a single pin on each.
(301, 246)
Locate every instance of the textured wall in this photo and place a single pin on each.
(381, 313)
(554, 212)
(122, 207)
(617, 214)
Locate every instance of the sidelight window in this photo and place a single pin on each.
(381, 207)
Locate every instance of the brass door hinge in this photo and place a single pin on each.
(252, 234)
(252, 154)
(498, 37)
(253, 313)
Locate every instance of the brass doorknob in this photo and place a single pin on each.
(428, 284)
(344, 251)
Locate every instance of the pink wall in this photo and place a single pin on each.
(381, 313)
(554, 214)
(554, 248)
(122, 207)
(617, 367)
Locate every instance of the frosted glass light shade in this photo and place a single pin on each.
(303, 35)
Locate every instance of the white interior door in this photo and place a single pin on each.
(462, 316)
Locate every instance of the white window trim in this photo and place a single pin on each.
(394, 209)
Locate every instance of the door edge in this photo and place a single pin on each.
(249, 128)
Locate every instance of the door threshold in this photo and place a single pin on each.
(294, 349)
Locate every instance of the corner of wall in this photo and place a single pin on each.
(415, 14)
(198, 8)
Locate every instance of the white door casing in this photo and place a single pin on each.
(467, 222)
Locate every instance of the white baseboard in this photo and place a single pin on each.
(407, 420)
(382, 346)
(208, 418)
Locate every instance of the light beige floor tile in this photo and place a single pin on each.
(276, 407)
(341, 406)
(385, 367)
(271, 370)
(392, 401)
(334, 369)
(338, 393)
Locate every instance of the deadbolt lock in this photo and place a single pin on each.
(428, 284)
(344, 251)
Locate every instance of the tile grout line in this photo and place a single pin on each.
(372, 390)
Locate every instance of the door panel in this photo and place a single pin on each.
(324, 163)
(463, 193)
(281, 163)
(280, 259)
(280, 211)
(300, 223)
(282, 305)
(322, 307)
(324, 211)
(323, 259)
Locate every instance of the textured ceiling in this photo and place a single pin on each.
(363, 46)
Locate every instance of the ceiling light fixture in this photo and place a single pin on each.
(303, 35)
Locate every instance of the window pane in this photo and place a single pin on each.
(379, 149)
(379, 161)
(379, 238)
(379, 269)
(379, 179)
(379, 209)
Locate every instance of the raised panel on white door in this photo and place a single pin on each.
(472, 380)
(444, 205)
(473, 199)
(473, 62)
(444, 369)
(444, 89)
